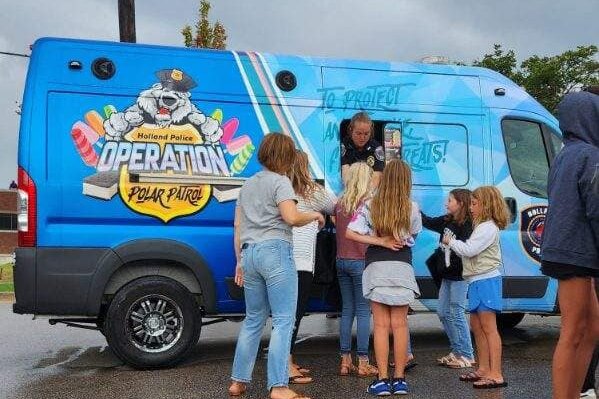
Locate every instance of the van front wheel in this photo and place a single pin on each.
(152, 322)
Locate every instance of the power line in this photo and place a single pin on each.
(14, 54)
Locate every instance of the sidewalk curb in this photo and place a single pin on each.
(7, 297)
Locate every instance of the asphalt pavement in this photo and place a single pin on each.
(40, 361)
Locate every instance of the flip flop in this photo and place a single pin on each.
(472, 376)
(300, 379)
(488, 383)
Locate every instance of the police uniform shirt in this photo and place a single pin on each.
(372, 153)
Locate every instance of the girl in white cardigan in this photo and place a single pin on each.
(481, 259)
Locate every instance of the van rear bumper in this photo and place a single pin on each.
(24, 279)
(54, 281)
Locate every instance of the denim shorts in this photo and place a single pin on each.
(485, 295)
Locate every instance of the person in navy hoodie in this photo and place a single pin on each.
(570, 247)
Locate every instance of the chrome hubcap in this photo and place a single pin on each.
(155, 323)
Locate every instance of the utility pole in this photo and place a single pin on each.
(127, 20)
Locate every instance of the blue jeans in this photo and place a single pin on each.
(349, 273)
(270, 287)
(452, 313)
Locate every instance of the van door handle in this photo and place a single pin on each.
(513, 207)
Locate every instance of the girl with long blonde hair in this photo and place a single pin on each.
(481, 260)
(311, 197)
(350, 266)
(389, 224)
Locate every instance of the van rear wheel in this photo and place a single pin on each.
(153, 322)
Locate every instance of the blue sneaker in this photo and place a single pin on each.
(399, 386)
(379, 388)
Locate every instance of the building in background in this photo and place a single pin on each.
(8, 221)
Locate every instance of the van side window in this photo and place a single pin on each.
(526, 156)
(436, 152)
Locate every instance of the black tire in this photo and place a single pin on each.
(147, 311)
(508, 320)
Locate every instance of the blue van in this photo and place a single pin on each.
(131, 158)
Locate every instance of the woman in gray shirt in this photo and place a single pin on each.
(265, 213)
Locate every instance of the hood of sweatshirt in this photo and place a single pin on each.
(578, 115)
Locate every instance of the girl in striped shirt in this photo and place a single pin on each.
(310, 197)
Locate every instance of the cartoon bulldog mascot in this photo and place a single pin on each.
(164, 104)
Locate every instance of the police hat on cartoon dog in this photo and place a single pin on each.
(175, 80)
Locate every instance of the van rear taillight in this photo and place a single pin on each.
(27, 216)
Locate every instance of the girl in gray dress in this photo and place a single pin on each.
(389, 224)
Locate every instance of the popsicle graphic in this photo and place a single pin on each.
(229, 130)
(241, 161)
(235, 146)
(95, 121)
(109, 110)
(90, 134)
(83, 145)
(218, 115)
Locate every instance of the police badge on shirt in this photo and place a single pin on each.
(372, 153)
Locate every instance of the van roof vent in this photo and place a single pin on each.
(435, 59)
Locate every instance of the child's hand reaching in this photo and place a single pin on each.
(447, 238)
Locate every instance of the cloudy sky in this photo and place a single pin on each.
(399, 30)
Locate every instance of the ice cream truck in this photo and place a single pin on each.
(131, 157)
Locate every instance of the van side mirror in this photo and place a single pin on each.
(513, 207)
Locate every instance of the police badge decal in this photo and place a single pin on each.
(532, 224)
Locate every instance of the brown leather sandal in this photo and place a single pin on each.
(301, 369)
(237, 388)
(365, 369)
(346, 368)
(300, 379)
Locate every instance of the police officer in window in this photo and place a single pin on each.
(359, 146)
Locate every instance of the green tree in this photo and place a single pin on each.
(500, 61)
(547, 78)
(207, 35)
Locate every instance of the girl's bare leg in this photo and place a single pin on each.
(480, 341)
(488, 322)
(381, 315)
(573, 297)
(590, 339)
(399, 326)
